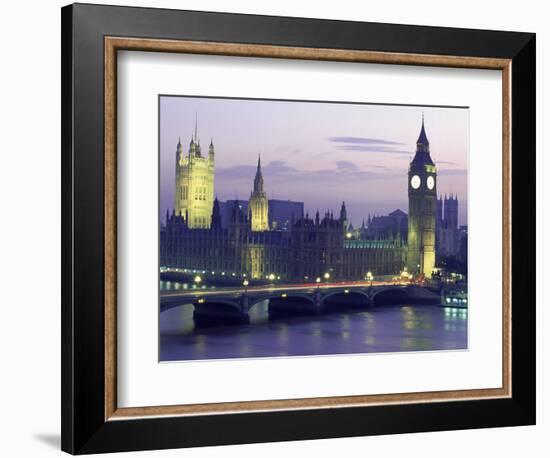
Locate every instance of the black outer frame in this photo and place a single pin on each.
(84, 429)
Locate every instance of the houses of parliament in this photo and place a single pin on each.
(247, 242)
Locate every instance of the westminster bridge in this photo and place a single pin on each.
(235, 303)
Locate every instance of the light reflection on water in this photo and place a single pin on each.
(383, 329)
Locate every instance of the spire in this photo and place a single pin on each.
(422, 156)
(192, 147)
(343, 213)
(211, 150)
(216, 216)
(259, 179)
(178, 151)
(422, 138)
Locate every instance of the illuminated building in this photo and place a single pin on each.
(194, 187)
(422, 208)
(257, 204)
(311, 248)
(239, 239)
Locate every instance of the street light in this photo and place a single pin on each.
(196, 281)
(369, 277)
(327, 276)
(245, 284)
(318, 281)
(271, 277)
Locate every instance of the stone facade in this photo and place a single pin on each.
(258, 207)
(422, 209)
(194, 187)
(311, 249)
(194, 236)
(448, 235)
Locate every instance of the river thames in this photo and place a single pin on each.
(387, 328)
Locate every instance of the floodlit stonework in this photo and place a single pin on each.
(194, 191)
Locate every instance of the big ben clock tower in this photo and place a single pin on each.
(422, 202)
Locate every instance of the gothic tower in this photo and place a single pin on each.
(422, 209)
(447, 234)
(451, 212)
(344, 216)
(258, 205)
(216, 224)
(194, 192)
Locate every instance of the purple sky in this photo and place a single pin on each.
(318, 153)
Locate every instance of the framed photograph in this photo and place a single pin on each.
(283, 228)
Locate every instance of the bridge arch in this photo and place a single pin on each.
(345, 299)
(286, 303)
(390, 295)
(214, 309)
(255, 300)
(168, 302)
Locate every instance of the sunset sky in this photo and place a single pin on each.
(317, 153)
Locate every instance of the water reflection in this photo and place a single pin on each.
(416, 343)
(413, 321)
(383, 329)
(369, 340)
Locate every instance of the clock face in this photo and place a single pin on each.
(415, 182)
(430, 182)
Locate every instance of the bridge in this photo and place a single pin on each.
(234, 304)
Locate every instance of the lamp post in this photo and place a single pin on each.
(198, 280)
(369, 278)
(245, 284)
(327, 276)
(318, 281)
(404, 274)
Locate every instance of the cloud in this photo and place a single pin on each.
(374, 149)
(362, 140)
(347, 166)
(279, 172)
(375, 145)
